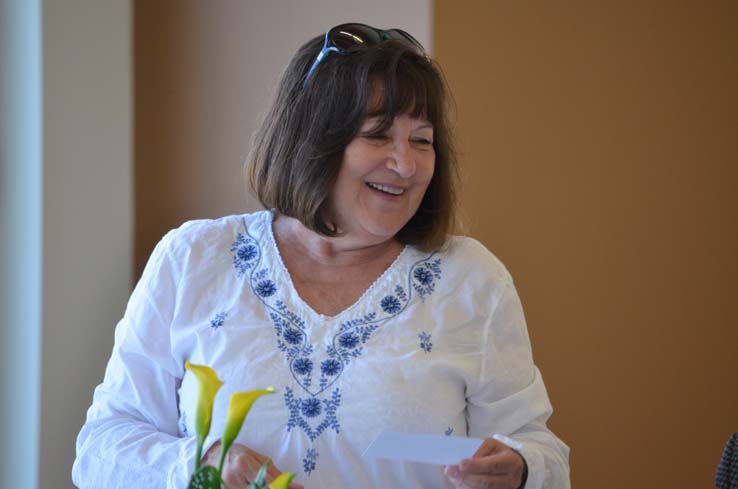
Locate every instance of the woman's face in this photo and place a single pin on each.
(382, 179)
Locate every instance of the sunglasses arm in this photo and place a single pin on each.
(317, 61)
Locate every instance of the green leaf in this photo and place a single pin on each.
(206, 477)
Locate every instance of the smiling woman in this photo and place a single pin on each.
(383, 178)
(350, 295)
(395, 99)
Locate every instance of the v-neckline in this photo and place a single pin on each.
(299, 302)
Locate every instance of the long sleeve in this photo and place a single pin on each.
(130, 438)
(511, 399)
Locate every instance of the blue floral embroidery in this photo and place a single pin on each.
(400, 292)
(390, 304)
(348, 340)
(303, 366)
(425, 276)
(308, 463)
(314, 410)
(282, 327)
(266, 288)
(311, 407)
(245, 252)
(330, 367)
(425, 342)
(218, 320)
(360, 329)
(183, 424)
(449, 431)
(292, 336)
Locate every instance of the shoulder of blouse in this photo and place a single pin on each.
(474, 261)
(201, 234)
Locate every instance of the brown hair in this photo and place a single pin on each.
(297, 152)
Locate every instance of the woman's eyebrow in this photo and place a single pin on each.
(423, 126)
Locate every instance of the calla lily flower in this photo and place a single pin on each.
(208, 386)
(238, 407)
(282, 481)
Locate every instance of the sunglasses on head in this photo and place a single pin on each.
(352, 38)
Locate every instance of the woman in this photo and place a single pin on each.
(349, 296)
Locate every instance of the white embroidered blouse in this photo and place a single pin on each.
(438, 344)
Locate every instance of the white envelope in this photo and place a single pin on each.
(427, 449)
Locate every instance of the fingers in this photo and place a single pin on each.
(237, 468)
(492, 458)
(242, 465)
(488, 447)
(212, 455)
(272, 472)
(473, 481)
(260, 460)
(248, 463)
(494, 465)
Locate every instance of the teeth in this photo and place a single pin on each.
(386, 189)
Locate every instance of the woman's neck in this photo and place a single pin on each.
(341, 251)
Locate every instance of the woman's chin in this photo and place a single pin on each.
(372, 228)
(378, 233)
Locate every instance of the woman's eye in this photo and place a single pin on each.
(375, 136)
(423, 141)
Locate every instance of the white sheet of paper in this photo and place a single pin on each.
(427, 449)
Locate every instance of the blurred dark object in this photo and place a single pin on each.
(726, 476)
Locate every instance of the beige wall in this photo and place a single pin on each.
(600, 151)
(87, 207)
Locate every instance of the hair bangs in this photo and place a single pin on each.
(404, 85)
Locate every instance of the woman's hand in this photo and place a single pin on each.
(493, 466)
(241, 465)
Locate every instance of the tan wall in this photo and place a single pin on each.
(600, 150)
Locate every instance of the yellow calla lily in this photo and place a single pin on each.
(208, 386)
(282, 481)
(238, 407)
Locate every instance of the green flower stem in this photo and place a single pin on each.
(221, 461)
(198, 454)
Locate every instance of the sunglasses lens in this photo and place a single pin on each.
(400, 35)
(350, 38)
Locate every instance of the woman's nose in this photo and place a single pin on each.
(401, 160)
